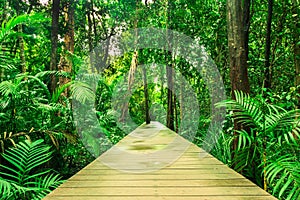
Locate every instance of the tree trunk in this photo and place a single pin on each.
(181, 97)
(170, 110)
(22, 51)
(169, 69)
(162, 82)
(94, 23)
(296, 36)
(132, 70)
(21, 42)
(147, 115)
(176, 114)
(65, 63)
(238, 31)
(3, 18)
(268, 67)
(54, 40)
(238, 46)
(268, 78)
(89, 34)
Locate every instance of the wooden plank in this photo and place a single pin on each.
(125, 191)
(155, 163)
(162, 197)
(213, 169)
(160, 183)
(157, 177)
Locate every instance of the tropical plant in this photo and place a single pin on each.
(23, 177)
(268, 146)
(282, 170)
(7, 32)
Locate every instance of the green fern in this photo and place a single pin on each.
(23, 175)
(268, 147)
(283, 173)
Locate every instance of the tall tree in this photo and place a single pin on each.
(268, 67)
(54, 40)
(238, 21)
(296, 45)
(132, 69)
(21, 41)
(238, 31)
(147, 115)
(89, 33)
(65, 63)
(169, 67)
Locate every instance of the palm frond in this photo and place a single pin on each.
(27, 156)
(246, 110)
(6, 61)
(269, 145)
(46, 184)
(22, 177)
(283, 173)
(46, 74)
(8, 190)
(7, 27)
(5, 187)
(82, 92)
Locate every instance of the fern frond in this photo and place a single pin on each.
(46, 184)
(59, 90)
(283, 173)
(246, 110)
(9, 190)
(82, 92)
(27, 156)
(22, 178)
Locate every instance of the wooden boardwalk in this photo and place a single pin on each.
(153, 162)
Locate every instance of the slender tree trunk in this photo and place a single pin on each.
(22, 51)
(238, 30)
(147, 115)
(3, 18)
(54, 40)
(181, 98)
(162, 82)
(170, 110)
(176, 114)
(268, 78)
(21, 42)
(296, 36)
(132, 70)
(169, 69)
(65, 63)
(268, 67)
(246, 25)
(174, 97)
(89, 34)
(97, 62)
(94, 22)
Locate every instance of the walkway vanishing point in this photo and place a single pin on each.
(153, 162)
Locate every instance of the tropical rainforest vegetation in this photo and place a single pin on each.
(45, 46)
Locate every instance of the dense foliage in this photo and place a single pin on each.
(41, 65)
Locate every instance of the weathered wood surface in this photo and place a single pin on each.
(153, 162)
